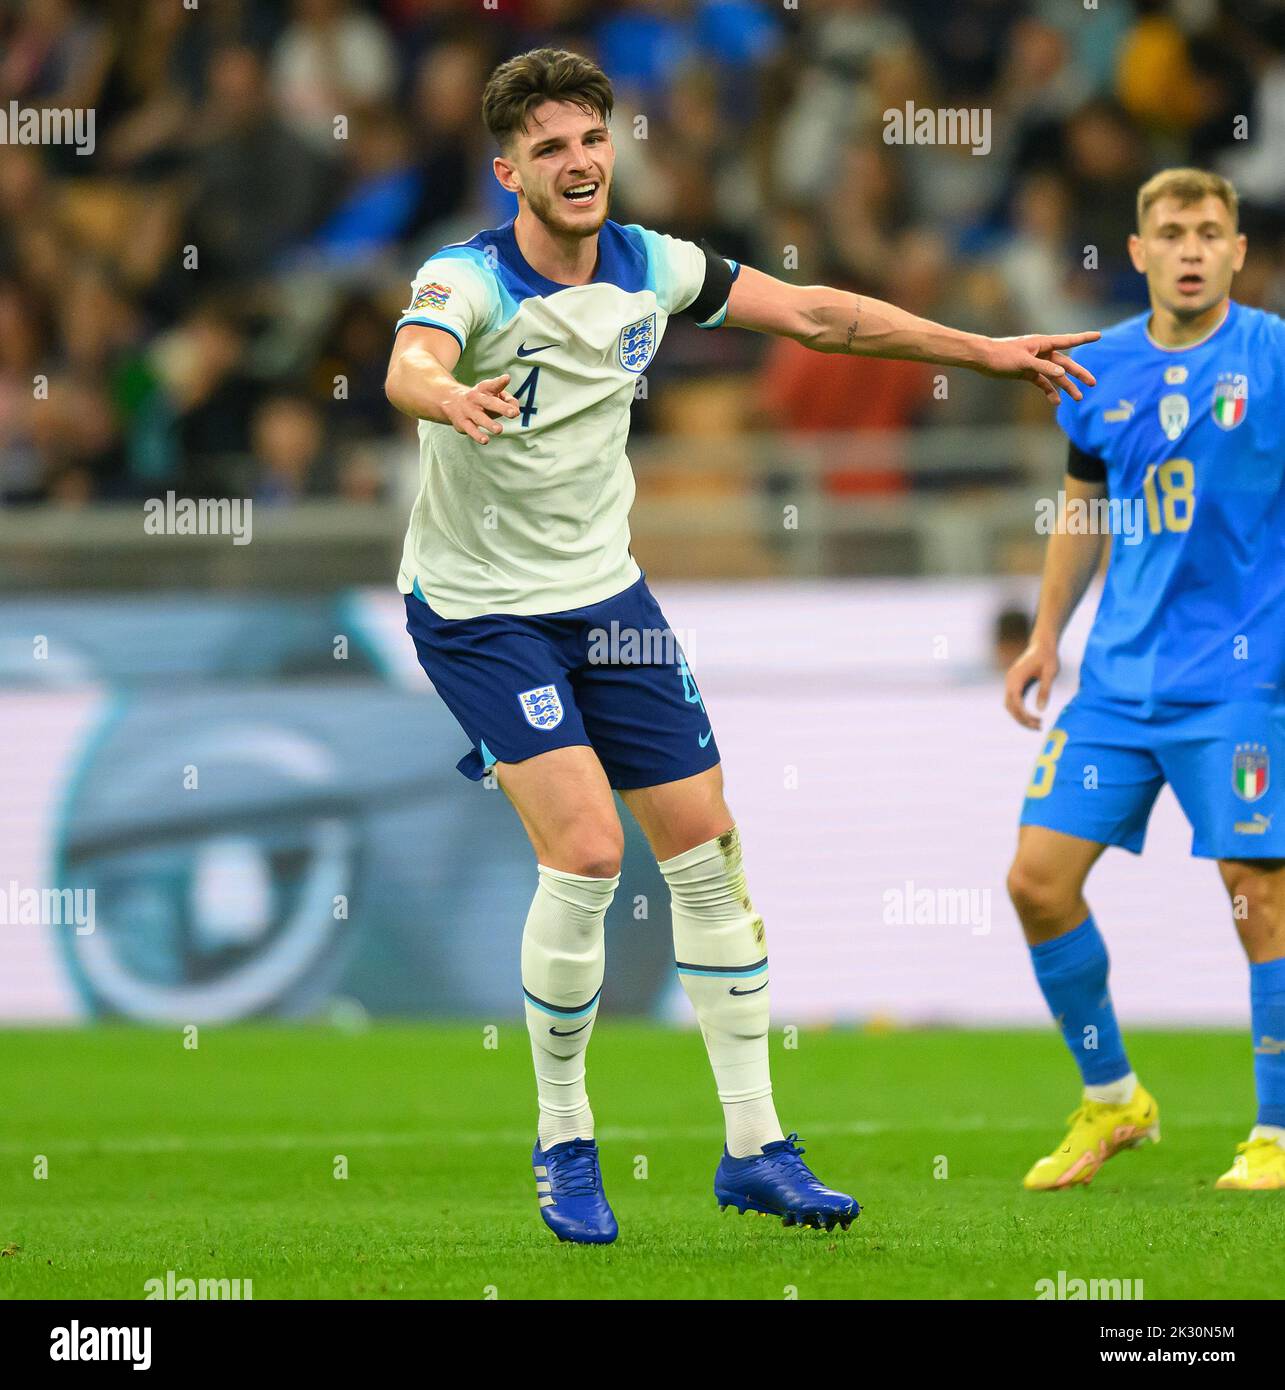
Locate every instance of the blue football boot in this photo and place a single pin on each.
(568, 1182)
(777, 1182)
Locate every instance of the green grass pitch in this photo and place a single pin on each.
(220, 1162)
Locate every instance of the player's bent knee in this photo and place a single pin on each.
(1039, 893)
(591, 855)
(597, 867)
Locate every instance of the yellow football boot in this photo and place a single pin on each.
(1259, 1166)
(1098, 1131)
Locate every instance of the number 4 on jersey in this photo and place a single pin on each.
(528, 388)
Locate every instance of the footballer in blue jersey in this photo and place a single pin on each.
(518, 352)
(1180, 456)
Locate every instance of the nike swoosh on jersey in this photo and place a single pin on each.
(1122, 412)
(703, 739)
(524, 351)
(734, 990)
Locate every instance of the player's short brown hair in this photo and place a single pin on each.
(521, 84)
(1188, 186)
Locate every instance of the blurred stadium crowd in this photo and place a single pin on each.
(194, 289)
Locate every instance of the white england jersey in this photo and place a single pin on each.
(537, 520)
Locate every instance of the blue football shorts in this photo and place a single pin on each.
(610, 676)
(1101, 768)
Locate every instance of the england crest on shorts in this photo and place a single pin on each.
(542, 707)
(637, 343)
(1231, 399)
(1249, 769)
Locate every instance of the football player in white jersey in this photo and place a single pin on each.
(518, 355)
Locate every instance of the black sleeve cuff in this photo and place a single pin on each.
(718, 285)
(1088, 468)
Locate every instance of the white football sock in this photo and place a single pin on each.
(562, 965)
(1276, 1132)
(1114, 1092)
(721, 948)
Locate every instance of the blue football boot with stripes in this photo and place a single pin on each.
(568, 1182)
(777, 1182)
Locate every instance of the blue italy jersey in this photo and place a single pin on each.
(1192, 441)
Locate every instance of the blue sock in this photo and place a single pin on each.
(1267, 1018)
(1072, 974)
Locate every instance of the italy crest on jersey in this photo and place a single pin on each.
(542, 707)
(1249, 770)
(637, 343)
(1231, 399)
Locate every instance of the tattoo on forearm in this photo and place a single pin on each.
(853, 329)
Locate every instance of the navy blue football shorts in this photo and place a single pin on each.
(610, 676)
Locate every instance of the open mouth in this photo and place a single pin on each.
(1191, 284)
(581, 194)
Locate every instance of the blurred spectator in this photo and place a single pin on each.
(1011, 638)
(331, 61)
(642, 43)
(840, 44)
(1104, 167)
(352, 369)
(803, 392)
(1256, 165)
(288, 443)
(361, 476)
(1155, 78)
(866, 211)
(200, 423)
(377, 206)
(448, 140)
(58, 54)
(1040, 265)
(259, 188)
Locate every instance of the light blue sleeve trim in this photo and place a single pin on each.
(658, 278)
(504, 306)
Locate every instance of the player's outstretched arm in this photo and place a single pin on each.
(830, 320)
(1070, 563)
(419, 383)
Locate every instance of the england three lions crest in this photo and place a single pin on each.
(542, 707)
(637, 343)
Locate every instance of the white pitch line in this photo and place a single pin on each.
(333, 1143)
